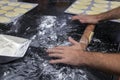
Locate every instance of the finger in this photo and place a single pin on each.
(57, 61)
(73, 41)
(61, 47)
(57, 55)
(53, 50)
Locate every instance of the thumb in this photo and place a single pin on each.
(73, 41)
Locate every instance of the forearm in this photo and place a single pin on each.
(112, 14)
(106, 62)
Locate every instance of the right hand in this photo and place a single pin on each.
(91, 19)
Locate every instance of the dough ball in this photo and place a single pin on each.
(26, 6)
(4, 19)
(11, 14)
(20, 10)
(2, 11)
(7, 8)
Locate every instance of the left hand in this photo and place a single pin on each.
(73, 55)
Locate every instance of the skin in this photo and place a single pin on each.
(76, 55)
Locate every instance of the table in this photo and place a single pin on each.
(48, 26)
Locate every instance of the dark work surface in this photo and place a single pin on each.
(48, 26)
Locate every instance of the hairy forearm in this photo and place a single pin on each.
(112, 14)
(106, 62)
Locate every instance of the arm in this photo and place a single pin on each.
(112, 14)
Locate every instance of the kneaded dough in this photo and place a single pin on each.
(2, 11)
(82, 3)
(20, 10)
(74, 11)
(7, 8)
(101, 1)
(11, 14)
(113, 6)
(4, 19)
(26, 6)
(115, 3)
(13, 4)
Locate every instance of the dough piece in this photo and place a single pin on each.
(20, 10)
(4, 19)
(82, 3)
(80, 6)
(85, 1)
(4, 2)
(13, 4)
(2, 11)
(100, 9)
(114, 6)
(74, 11)
(92, 12)
(26, 6)
(115, 3)
(101, 5)
(7, 8)
(101, 1)
(11, 14)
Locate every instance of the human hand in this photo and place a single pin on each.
(72, 55)
(92, 19)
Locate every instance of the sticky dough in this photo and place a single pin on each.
(11, 14)
(26, 6)
(4, 19)
(7, 8)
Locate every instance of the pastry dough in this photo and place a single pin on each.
(114, 6)
(13, 4)
(11, 14)
(2, 11)
(101, 5)
(20, 10)
(26, 6)
(101, 1)
(79, 6)
(7, 8)
(82, 3)
(92, 12)
(4, 19)
(100, 9)
(74, 11)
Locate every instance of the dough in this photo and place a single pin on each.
(92, 12)
(26, 6)
(101, 1)
(74, 11)
(4, 2)
(82, 3)
(100, 9)
(100, 5)
(11, 14)
(7, 8)
(2, 11)
(87, 1)
(20, 10)
(114, 6)
(115, 3)
(13, 4)
(79, 6)
(4, 19)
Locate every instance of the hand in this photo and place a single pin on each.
(92, 19)
(73, 55)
